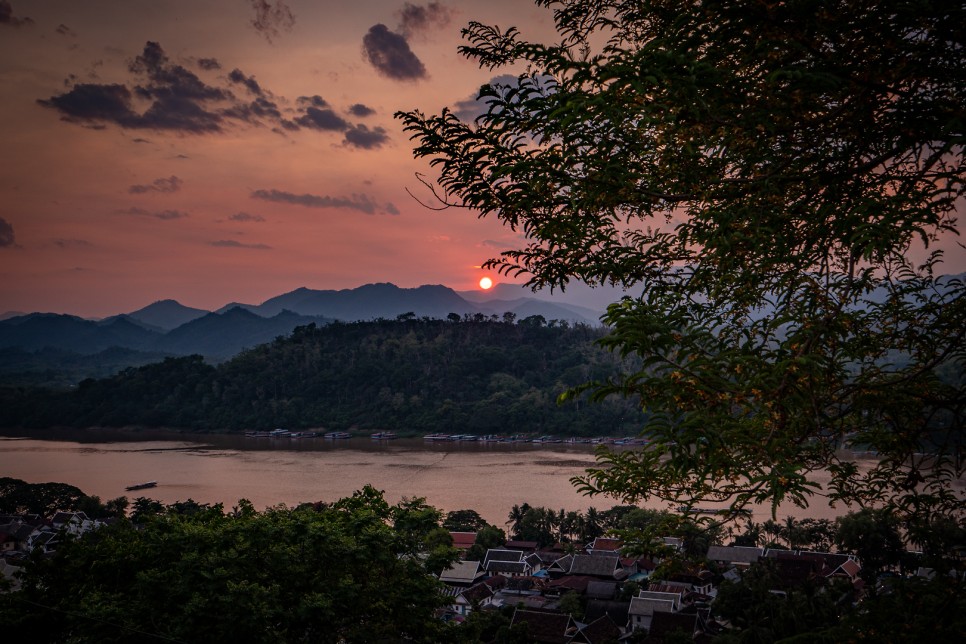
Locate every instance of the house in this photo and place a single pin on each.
(735, 556)
(463, 541)
(615, 610)
(522, 546)
(549, 628)
(676, 599)
(466, 600)
(601, 630)
(605, 545)
(72, 522)
(511, 563)
(568, 583)
(605, 590)
(640, 614)
(663, 624)
(603, 566)
(462, 573)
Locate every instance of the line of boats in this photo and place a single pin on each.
(438, 437)
(500, 438)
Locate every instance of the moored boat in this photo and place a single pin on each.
(382, 436)
(334, 435)
(141, 486)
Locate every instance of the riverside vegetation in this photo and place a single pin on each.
(474, 374)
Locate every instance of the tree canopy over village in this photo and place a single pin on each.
(775, 175)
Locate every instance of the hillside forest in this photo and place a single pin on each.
(472, 374)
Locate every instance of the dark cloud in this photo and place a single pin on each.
(7, 239)
(165, 215)
(361, 110)
(170, 80)
(362, 203)
(415, 18)
(244, 216)
(169, 184)
(209, 64)
(66, 244)
(314, 101)
(64, 30)
(359, 136)
(470, 108)
(494, 244)
(322, 119)
(7, 18)
(178, 99)
(231, 243)
(391, 208)
(165, 96)
(271, 18)
(236, 76)
(390, 54)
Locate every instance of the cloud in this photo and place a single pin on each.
(314, 101)
(322, 119)
(492, 243)
(6, 16)
(7, 238)
(360, 136)
(414, 18)
(178, 99)
(171, 184)
(360, 110)
(65, 244)
(164, 96)
(64, 30)
(244, 216)
(390, 54)
(164, 215)
(272, 18)
(362, 203)
(231, 243)
(236, 76)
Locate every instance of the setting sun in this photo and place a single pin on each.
(486, 283)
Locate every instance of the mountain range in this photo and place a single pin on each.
(167, 327)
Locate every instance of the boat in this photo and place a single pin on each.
(141, 486)
(383, 436)
(437, 437)
(333, 435)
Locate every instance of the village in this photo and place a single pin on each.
(563, 592)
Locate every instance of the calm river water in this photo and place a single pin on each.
(489, 478)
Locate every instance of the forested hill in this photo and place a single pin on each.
(408, 375)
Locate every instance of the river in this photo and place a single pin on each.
(487, 477)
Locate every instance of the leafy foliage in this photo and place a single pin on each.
(767, 172)
(351, 572)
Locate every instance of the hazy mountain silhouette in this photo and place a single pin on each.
(166, 314)
(170, 328)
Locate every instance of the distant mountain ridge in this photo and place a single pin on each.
(167, 327)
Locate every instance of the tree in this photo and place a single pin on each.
(872, 535)
(351, 572)
(464, 521)
(764, 175)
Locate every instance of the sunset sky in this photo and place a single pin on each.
(232, 150)
(228, 150)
